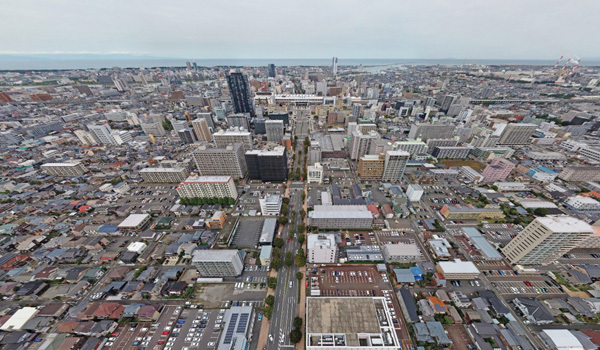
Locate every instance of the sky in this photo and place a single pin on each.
(199, 29)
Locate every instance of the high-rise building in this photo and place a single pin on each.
(270, 204)
(447, 101)
(202, 129)
(102, 133)
(164, 175)
(187, 135)
(207, 186)
(370, 167)
(239, 120)
(271, 69)
(516, 134)
(274, 130)
(414, 192)
(234, 135)
(267, 165)
(424, 132)
(221, 161)
(433, 143)
(545, 239)
(412, 147)
(121, 136)
(219, 263)
(334, 66)
(85, 137)
(340, 217)
(314, 153)
(209, 119)
(314, 173)
(497, 170)
(239, 90)
(152, 126)
(394, 165)
(451, 152)
(64, 169)
(360, 144)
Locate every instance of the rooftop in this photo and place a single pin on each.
(133, 220)
(565, 224)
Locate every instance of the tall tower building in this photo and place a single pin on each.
(274, 130)
(394, 165)
(209, 119)
(102, 133)
(271, 69)
(85, 137)
(545, 239)
(239, 90)
(334, 66)
(516, 134)
(221, 161)
(202, 130)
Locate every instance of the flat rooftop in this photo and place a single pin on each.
(133, 220)
(565, 224)
(347, 316)
(163, 170)
(207, 179)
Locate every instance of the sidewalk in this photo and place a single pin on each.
(265, 323)
(302, 304)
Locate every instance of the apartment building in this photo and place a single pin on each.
(202, 129)
(224, 138)
(229, 160)
(164, 175)
(340, 216)
(219, 263)
(207, 186)
(64, 169)
(394, 165)
(322, 248)
(370, 167)
(580, 174)
(497, 170)
(516, 134)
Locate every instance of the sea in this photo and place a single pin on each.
(66, 63)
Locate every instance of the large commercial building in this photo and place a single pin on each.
(164, 175)
(352, 323)
(239, 90)
(202, 129)
(315, 173)
(229, 160)
(370, 167)
(274, 130)
(425, 132)
(238, 323)
(580, 174)
(322, 248)
(135, 222)
(234, 135)
(64, 169)
(516, 134)
(545, 239)
(270, 204)
(207, 186)
(497, 170)
(267, 165)
(394, 165)
(218, 263)
(340, 216)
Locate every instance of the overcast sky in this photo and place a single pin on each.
(506, 29)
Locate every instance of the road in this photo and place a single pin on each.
(286, 293)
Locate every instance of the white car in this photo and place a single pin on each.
(211, 344)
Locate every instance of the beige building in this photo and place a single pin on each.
(207, 186)
(64, 169)
(546, 239)
(234, 135)
(166, 175)
(370, 167)
(580, 174)
(202, 130)
(229, 160)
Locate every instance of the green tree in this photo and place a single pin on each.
(301, 238)
(276, 264)
(299, 276)
(270, 300)
(285, 209)
(272, 282)
(286, 200)
(541, 211)
(282, 220)
(295, 336)
(268, 311)
(167, 125)
(303, 195)
(278, 242)
(297, 322)
(289, 259)
(302, 212)
(231, 201)
(300, 259)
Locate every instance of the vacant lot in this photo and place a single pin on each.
(459, 336)
(456, 162)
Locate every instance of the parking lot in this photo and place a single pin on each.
(248, 231)
(349, 280)
(527, 287)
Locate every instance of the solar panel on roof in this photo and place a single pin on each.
(241, 328)
(230, 328)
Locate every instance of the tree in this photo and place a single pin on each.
(282, 220)
(276, 264)
(268, 311)
(303, 195)
(301, 228)
(286, 200)
(285, 209)
(272, 282)
(278, 242)
(289, 259)
(300, 259)
(541, 211)
(297, 322)
(295, 336)
(231, 201)
(299, 276)
(301, 238)
(270, 300)
(167, 125)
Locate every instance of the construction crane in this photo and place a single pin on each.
(556, 65)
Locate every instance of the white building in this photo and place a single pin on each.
(581, 204)
(458, 270)
(85, 137)
(402, 252)
(19, 319)
(414, 192)
(218, 263)
(470, 174)
(137, 247)
(102, 133)
(164, 175)
(207, 186)
(270, 204)
(134, 222)
(64, 169)
(315, 173)
(234, 135)
(322, 248)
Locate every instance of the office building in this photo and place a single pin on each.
(271, 69)
(267, 234)
(274, 130)
(221, 161)
(267, 165)
(412, 147)
(102, 133)
(314, 153)
(270, 204)
(334, 66)
(234, 135)
(164, 175)
(497, 170)
(207, 186)
(239, 90)
(322, 248)
(208, 117)
(433, 143)
(425, 132)
(414, 192)
(546, 239)
(279, 116)
(360, 144)
(580, 174)
(85, 137)
(515, 134)
(239, 120)
(202, 129)
(64, 169)
(135, 222)
(315, 173)
(470, 174)
(447, 101)
(458, 270)
(187, 135)
(394, 165)
(152, 126)
(340, 216)
(219, 263)
(238, 323)
(121, 137)
(370, 167)
(357, 323)
(457, 152)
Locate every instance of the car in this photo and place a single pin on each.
(109, 343)
(165, 333)
(212, 343)
(260, 317)
(160, 342)
(115, 334)
(135, 343)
